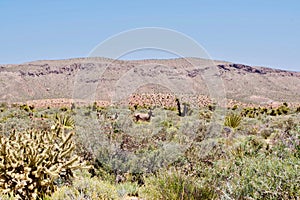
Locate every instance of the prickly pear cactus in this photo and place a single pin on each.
(31, 161)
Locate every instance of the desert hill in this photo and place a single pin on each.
(105, 79)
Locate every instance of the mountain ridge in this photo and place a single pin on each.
(54, 79)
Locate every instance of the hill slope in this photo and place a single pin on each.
(104, 79)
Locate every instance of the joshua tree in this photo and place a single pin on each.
(178, 106)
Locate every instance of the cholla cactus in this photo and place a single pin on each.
(31, 161)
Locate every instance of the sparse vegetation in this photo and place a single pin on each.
(169, 157)
(174, 184)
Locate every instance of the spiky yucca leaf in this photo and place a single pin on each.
(233, 120)
(65, 121)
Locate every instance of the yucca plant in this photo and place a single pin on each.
(64, 121)
(233, 120)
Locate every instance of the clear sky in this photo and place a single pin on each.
(254, 32)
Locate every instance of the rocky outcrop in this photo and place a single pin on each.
(243, 69)
(100, 77)
(44, 70)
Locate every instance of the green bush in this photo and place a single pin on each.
(93, 189)
(283, 109)
(86, 187)
(25, 107)
(174, 185)
(257, 177)
(235, 107)
(3, 106)
(127, 189)
(272, 112)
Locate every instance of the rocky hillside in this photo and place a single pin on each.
(117, 80)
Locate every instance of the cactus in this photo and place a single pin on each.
(31, 161)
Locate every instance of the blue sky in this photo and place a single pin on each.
(255, 32)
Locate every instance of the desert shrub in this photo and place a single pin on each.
(167, 124)
(212, 107)
(31, 161)
(25, 107)
(205, 115)
(3, 106)
(263, 110)
(257, 177)
(289, 136)
(63, 109)
(64, 193)
(122, 145)
(127, 189)
(255, 112)
(85, 187)
(297, 149)
(8, 197)
(235, 107)
(170, 108)
(14, 120)
(249, 171)
(265, 133)
(204, 152)
(272, 112)
(248, 112)
(253, 130)
(253, 170)
(233, 120)
(249, 146)
(284, 109)
(173, 184)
